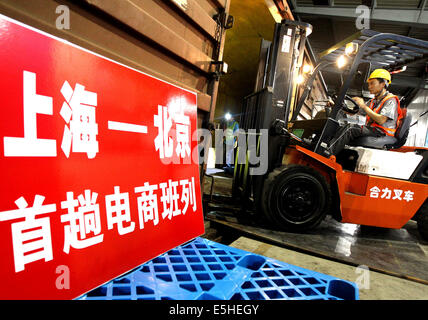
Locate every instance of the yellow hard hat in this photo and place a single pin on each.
(382, 74)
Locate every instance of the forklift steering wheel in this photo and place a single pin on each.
(346, 108)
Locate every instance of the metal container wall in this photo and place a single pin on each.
(173, 40)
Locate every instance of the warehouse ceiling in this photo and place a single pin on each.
(332, 21)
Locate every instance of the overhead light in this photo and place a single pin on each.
(300, 79)
(341, 61)
(307, 68)
(308, 31)
(351, 48)
(227, 116)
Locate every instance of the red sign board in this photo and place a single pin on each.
(96, 174)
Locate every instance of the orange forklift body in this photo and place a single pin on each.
(365, 199)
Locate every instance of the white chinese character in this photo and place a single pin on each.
(173, 113)
(408, 195)
(386, 193)
(182, 126)
(397, 194)
(118, 203)
(374, 192)
(163, 143)
(30, 145)
(174, 197)
(147, 204)
(82, 222)
(183, 140)
(188, 194)
(79, 112)
(169, 199)
(36, 233)
(166, 200)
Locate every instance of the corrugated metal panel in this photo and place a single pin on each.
(347, 3)
(414, 70)
(220, 4)
(304, 2)
(343, 29)
(174, 40)
(390, 28)
(419, 33)
(195, 12)
(407, 4)
(340, 3)
(137, 15)
(208, 6)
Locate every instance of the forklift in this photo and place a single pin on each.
(376, 182)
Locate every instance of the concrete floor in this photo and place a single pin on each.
(378, 286)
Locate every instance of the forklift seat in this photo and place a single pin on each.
(387, 142)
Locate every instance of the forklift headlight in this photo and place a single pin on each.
(307, 68)
(300, 79)
(341, 61)
(351, 48)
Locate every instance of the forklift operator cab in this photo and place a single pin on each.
(375, 182)
(392, 138)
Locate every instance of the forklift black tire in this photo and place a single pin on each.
(296, 198)
(422, 219)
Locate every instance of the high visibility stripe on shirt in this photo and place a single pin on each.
(387, 131)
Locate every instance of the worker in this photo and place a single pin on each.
(232, 127)
(382, 113)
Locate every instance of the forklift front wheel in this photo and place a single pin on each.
(296, 197)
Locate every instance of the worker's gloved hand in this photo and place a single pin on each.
(279, 126)
(359, 100)
(352, 109)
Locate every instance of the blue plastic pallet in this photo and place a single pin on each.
(206, 270)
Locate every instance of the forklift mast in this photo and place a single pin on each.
(286, 58)
(281, 63)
